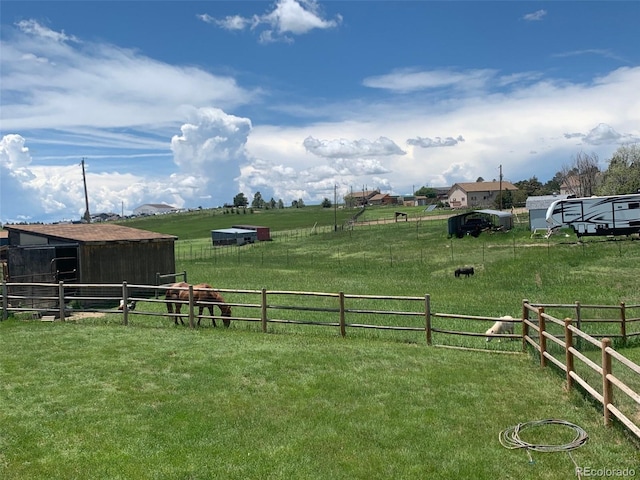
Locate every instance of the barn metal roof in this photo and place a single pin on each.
(86, 233)
(233, 230)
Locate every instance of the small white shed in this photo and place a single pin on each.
(538, 206)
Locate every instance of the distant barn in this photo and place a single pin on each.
(88, 253)
(263, 233)
(233, 236)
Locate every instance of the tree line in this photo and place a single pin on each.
(581, 177)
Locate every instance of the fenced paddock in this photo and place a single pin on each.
(588, 362)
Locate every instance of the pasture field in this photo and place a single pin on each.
(94, 399)
(91, 401)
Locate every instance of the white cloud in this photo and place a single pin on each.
(33, 27)
(80, 85)
(211, 151)
(535, 16)
(154, 132)
(427, 142)
(343, 148)
(411, 80)
(604, 134)
(296, 17)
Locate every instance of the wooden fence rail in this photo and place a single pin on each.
(333, 310)
(267, 305)
(603, 391)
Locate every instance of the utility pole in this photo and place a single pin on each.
(500, 187)
(335, 207)
(87, 215)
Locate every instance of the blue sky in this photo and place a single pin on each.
(190, 103)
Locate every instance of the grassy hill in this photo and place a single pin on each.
(199, 223)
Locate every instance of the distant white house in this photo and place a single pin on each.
(153, 209)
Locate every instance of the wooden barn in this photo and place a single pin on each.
(233, 236)
(263, 233)
(88, 253)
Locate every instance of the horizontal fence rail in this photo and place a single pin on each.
(563, 343)
(556, 342)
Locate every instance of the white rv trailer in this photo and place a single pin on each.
(611, 215)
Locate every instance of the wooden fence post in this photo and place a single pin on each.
(343, 330)
(427, 318)
(579, 324)
(525, 327)
(263, 310)
(623, 322)
(543, 339)
(61, 300)
(191, 306)
(125, 301)
(5, 300)
(568, 344)
(607, 390)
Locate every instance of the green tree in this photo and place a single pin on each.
(553, 185)
(623, 173)
(427, 192)
(272, 203)
(240, 200)
(280, 204)
(257, 201)
(506, 202)
(326, 203)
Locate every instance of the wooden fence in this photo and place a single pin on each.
(540, 330)
(537, 332)
(264, 302)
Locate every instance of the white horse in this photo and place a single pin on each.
(501, 326)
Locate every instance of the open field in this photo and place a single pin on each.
(110, 402)
(93, 399)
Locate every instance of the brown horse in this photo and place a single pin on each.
(203, 296)
(173, 296)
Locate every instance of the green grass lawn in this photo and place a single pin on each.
(93, 399)
(111, 402)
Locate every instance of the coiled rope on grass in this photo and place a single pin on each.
(510, 438)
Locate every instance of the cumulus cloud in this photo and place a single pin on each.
(210, 151)
(32, 192)
(343, 148)
(14, 155)
(604, 134)
(426, 142)
(288, 17)
(535, 16)
(155, 132)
